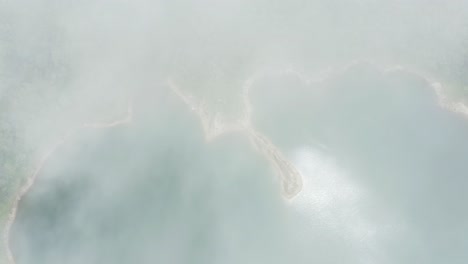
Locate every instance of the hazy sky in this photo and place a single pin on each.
(343, 88)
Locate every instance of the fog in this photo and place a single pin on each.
(233, 131)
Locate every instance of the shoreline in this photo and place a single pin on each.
(213, 126)
(24, 189)
(289, 176)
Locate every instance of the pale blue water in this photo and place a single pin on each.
(385, 182)
(153, 191)
(394, 162)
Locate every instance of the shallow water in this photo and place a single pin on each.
(384, 182)
(382, 160)
(153, 191)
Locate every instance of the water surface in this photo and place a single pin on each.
(384, 182)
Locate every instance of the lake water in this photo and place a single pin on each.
(384, 182)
